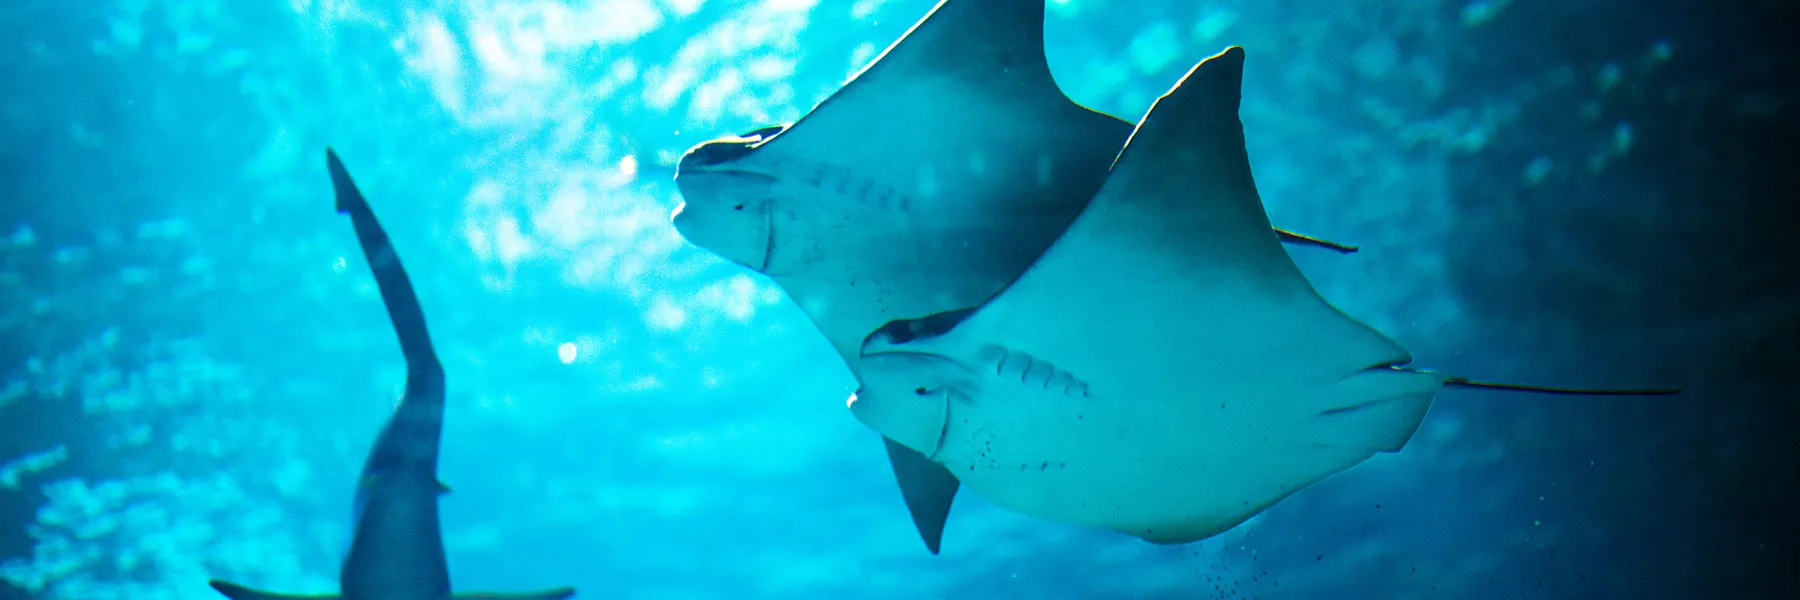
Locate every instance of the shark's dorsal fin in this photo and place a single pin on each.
(238, 592)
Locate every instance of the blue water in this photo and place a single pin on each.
(196, 360)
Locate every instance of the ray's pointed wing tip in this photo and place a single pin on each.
(1225, 67)
(988, 15)
(1212, 87)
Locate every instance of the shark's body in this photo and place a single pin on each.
(396, 549)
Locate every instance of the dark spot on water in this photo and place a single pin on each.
(740, 206)
(1319, 557)
(1046, 465)
(921, 391)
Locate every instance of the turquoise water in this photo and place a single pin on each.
(197, 360)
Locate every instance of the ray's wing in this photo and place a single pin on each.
(967, 91)
(927, 182)
(1172, 279)
(1165, 345)
(1169, 295)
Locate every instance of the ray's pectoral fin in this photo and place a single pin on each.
(238, 592)
(553, 594)
(928, 488)
(1164, 302)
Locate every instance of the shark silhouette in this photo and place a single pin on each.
(396, 549)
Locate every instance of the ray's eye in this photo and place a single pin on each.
(921, 390)
(740, 206)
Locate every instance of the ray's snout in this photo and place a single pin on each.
(726, 210)
(911, 415)
(737, 231)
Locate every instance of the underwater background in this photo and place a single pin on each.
(194, 359)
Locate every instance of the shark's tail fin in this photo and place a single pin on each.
(390, 276)
(238, 592)
(555, 594)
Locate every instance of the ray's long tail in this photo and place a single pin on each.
(1465, 382)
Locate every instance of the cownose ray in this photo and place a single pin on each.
(1164, 370)
(932, 178)
(396, 550)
